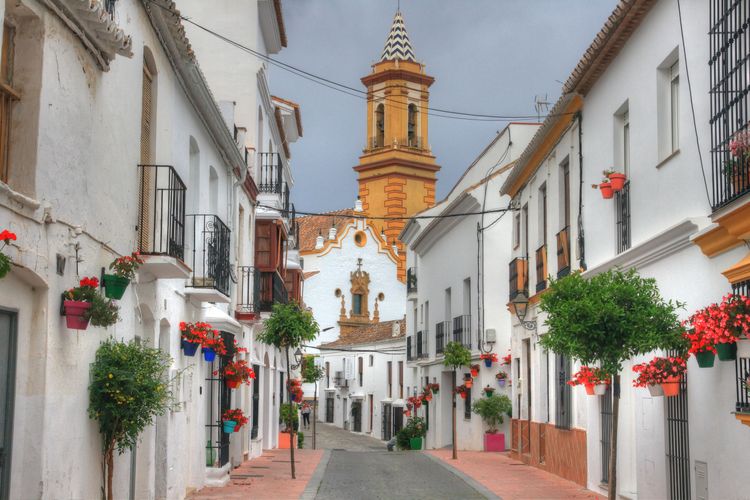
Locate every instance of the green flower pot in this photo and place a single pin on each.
(705, 359)
(415, 443)
(115, 286)
(726, 352)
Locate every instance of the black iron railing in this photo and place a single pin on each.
(272, 290)
(541, 268)
(563, 409)
(518, 276)
(161, 211)
(440, 329)
(270, 173)
(248, 291)
(742, 371)
(411, 280)
(409, 350)
(285, 201)
(678, 442)
(729, 66)
(462, 330)
(605, 429)
(421, 344)
(563, 252)
(209, 241)
(622, 206)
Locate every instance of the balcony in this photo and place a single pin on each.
(411, 281)
(272, 290)
(462, 330)
(339, 380)
(420, 344)
(248, 294)
(742, 408)
(208, 256)
(563, 253)
(440, 329)
(270, 173)
(518, 276)
(541, 268)
(161, 222)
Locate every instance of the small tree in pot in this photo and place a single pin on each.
(492, 409)
(455, 356)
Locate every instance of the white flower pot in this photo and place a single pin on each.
(655, 390)
(600, 389)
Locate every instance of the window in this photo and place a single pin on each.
(525, 215)
(668, 104)
(7, 96)
(413, 124)
(360, 239)
(622, 197)
(565, 185)
(516, 230)
(674, 105)
(400, 379)
(390, 379)
(357, 303)
(360, 369)
(563, 392)
(379, 139)
(255, 416)
(328, 374)
(626, 142)
(372, 360)
(448, 300)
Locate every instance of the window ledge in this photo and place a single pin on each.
(668, 158)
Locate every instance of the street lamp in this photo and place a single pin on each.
(298, 358)
(521, 306)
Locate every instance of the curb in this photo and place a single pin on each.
(481, 489)
(311, 490)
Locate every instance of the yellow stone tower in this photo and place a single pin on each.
(397, 172)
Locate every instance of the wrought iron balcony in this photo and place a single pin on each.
(272, 290)
(440, 329)
(209, 241)
(411, 280)
(462, 330)
(420, 344)
(742, 370)
(518, 276)
(541, 268)
(161, 211)
(248, 292)
(563, 252)
(270, 173)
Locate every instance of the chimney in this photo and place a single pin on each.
(358, 205)
(332, 233)
(319, 241)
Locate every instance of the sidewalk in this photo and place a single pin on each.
(267, 476)
(510, 479)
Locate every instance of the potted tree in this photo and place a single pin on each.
(287, 328)
(492, 410)
(606, 320)
(289, 416)
(6, 237)
(124, 272)
(134, 376)
(455, 355)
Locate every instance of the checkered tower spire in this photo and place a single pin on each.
(397, 46)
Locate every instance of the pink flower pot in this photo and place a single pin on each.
(75, 311)
(494, 442)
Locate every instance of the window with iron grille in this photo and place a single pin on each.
(255, 417)
(729, 66)
(678, 442)
(622, 207)
(563, 410)
(467, 404)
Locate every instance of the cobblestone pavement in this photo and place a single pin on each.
(330, 437)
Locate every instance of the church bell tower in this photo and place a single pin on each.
(397, 171)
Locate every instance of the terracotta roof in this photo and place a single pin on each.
(312, 225)
(309, 274)
(376, 332)
(280, 21)
(295, 107)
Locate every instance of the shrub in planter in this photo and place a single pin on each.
(488, 358)
(416, 430)
(402, 439)
(129, 387)
(595, 380)
(124, 269)
(6, 237)
(288, 414)
(492, 410)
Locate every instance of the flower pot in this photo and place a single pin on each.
(600, 389)
(617, 180)
(468, 382)
(208, 354)
(589, 389)
(705, 359)
(655, 390)
(415, 443)
(474, 373)
(489, 393)
(237, 428)
(494, 442)
(435, 391)
(501, 382)
(114, 286)
(463, 395)
(189, 348)
(671, 386)
(407, 413)
(75, 311)
(229, 426)
(606, 189)
(232, 383)
(285, 440)
(488, 363)
(726, 352)
(428, 397)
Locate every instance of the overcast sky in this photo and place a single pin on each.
(487, 56)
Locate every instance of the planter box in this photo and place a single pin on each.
(494, 442)
(284, 440)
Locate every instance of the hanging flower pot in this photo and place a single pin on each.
(468, 382)
(407, 413)
(462, 394)
(489, 358)
(705, 359)
(671, 386)
(435, 388)
(237, 428)
(428, 397)
(489, 391)
(229, 426)
(488, 363)
(726, 352)
(208, 354)
(189, 348)
(617, 180)
(501, 382)
(474, 370)
(589, 389)
(232, 383)
(600, 389)
(606, 189)
(655, 390)
(75, 314)
(115, 286)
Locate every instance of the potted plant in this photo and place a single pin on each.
(124, 271)
(233, 420)
(616, 179)
(295, 390)
(660, 373)
(435, 388)
(462, 391)
(82, 304)
(492, 410)
(507, 359)
(595, 380)
(454, 356)
(416, 430)
(212, 344)
(605, 186)
(6, 237)
(489, 391)
(192, 336)
(468, 380)
(407, 412)
(489, 358)
(236, 372)
(501, 378)
(737, 168)
(717, 328)
(701, 345)
(427, 393)
(474, 370)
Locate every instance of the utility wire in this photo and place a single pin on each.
(354, 216)
(395, 350)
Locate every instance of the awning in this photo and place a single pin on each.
(221, 320)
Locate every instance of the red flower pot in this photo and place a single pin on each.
(468, 383)
(671, 386)
(606, 189)
(474, 373)
(463, 395)
(75, 311)
(237, 428)
(232, 383)
(617, 180)
(428, 397)
(590, 389)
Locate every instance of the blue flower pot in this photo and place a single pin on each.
(208, 354)
(229, 426)
(488, 363)
(189, 348)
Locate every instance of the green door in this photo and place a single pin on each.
(7, 373)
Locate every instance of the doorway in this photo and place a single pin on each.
(7, 384)
(386, 431)
(372, 411)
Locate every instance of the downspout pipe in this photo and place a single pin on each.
(581, 237)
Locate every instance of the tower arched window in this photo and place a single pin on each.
(379, 126)
(413, 121)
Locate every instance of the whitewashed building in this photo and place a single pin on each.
(117, 144)
(644, 101)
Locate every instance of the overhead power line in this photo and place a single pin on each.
(354, 216)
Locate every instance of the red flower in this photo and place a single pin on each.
(490, 355)
(658, 370)
(7, 236)
(589, 376)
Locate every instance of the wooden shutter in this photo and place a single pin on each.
(263, 246)
(146, 173)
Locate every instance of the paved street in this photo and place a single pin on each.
(334, 438)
